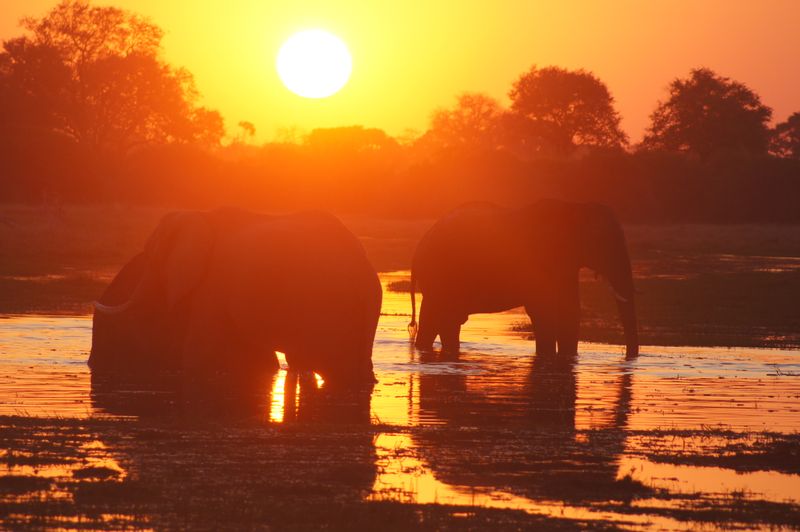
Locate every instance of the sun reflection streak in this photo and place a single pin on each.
(277, 401)
(285, 395)
(404, 478)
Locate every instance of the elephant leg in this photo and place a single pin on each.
(290, 396)
(569, 308)
(371, 326)
(301, 360)
(449, 334)
(428, 326)
(213, 342)
(254, 355)
(544, 330)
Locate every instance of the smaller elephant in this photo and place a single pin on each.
(483, 258)
(224, 290)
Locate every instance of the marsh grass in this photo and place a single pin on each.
(741, 452)
(211, 476)
(245, 475)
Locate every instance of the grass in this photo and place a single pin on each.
(231, 475)
(211, 477)
(743, 453)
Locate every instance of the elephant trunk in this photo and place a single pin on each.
(136, 294)
(620, 278)
(627, 314)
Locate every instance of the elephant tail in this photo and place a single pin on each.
(412, 326)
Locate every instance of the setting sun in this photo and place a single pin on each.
(314, 64)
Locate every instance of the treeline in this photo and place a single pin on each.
(90, 112)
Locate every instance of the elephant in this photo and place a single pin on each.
(484, 258)
(224, 290)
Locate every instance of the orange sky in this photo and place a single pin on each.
(412, 56)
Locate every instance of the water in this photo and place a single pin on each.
(493, 387)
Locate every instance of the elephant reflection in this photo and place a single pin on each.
(225, 289)
(217, 469)
(233, 396)
(527, 439)
(266, 395)
(482, 258)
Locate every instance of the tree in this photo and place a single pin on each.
(557, 110)
(33, 82)
(707, 113)
(248, 130)
(472, 123)
(82, 33)
(348, 140)
(785, 141)
(96, 74)
(208, 127)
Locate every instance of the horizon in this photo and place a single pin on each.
(747, 45)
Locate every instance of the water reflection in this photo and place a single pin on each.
(43, 372)
(550, 458)
(210, 445)
(493, 426)
(306, 399)
(278, 396)
(542, 393)
(170, 396)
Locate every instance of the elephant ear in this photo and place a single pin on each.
(173, 264)
(189, 242)
(178, 253)
(125, 282)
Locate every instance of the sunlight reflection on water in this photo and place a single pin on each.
(43, 372)
(494, 384)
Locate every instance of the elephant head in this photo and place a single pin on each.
(601, 247)
(588, 235)
(135, 322)
(221, 291)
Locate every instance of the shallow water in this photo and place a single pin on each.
(494, 385)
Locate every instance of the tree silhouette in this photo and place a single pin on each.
(554, 109)
(349, 140)
(82, 33)
(707, 113)
(33, 81)
(785, 141)
(473, 123)
(248, 130)
(96, 74)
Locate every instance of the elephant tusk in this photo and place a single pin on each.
(111, 309)
(620, 297)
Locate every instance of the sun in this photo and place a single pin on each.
(314, 64)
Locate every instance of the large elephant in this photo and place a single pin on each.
(225, 289)
(483, 258)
